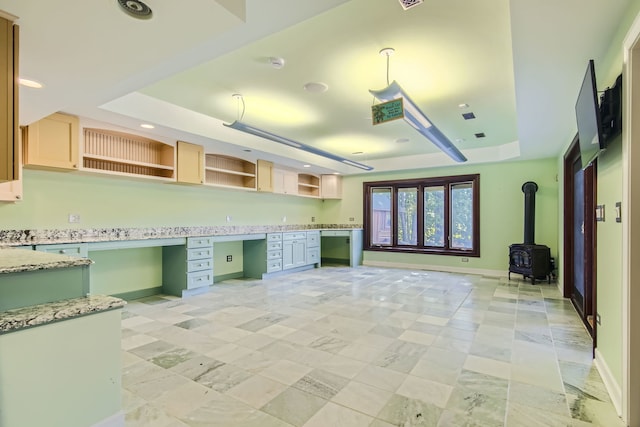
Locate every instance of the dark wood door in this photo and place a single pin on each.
(579, 239)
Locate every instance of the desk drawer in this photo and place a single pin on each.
(78, 250)
(274, 246)
(313, 238)
(274, 237)
(294, 236)
(274, 255)
(199, 242)
(313, 256)
(335, 233)
(199, 265)
(199, 279)
(199, 253)
(274, 265)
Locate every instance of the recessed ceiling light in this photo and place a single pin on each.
(306, 166)
(316, 87)
(147, 126)
(276, 62)
(30, 83)
(402, 140)
(336, 173)
(463, 105)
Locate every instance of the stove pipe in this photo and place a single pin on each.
(529, 189)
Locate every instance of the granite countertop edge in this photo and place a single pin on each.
(11, 238)
(42, 314)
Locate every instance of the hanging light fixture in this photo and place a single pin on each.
(414, 116)
(243, 127)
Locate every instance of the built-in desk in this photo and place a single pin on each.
(137, 262)
(342, 245)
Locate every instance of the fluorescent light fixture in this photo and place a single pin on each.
(243, 127)
(419, 121)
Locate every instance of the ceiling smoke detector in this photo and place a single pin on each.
(408, 4)
(136, 8)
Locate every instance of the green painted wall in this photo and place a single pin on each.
(609, 260)
(117, 202)
(125, 270)
(221, 266)
(501, 210)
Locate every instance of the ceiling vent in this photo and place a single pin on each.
(408, 4)
(468, 116)
(135, 8)
(480, 135)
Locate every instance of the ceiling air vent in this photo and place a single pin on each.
(480, 135)
(136, 8)
(468, 116)
(408, 4)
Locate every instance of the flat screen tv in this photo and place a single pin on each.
(588, 119)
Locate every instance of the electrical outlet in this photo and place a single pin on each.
(351, 219)
(229, 258)
(284, 219)
(313, 219)
(229, 218)
(74, 218)
(464, 259)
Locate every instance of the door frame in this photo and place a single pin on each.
(590, 286)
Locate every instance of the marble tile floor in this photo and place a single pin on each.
(364, 346)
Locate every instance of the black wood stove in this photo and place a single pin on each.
(529, 259)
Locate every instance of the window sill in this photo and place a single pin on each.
(424, 251)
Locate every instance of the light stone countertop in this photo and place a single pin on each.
(89, 235)
(42, 314)
(14, 260)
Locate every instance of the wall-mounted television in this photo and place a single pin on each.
(592, 141)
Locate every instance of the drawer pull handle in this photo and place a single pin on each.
(63, 251)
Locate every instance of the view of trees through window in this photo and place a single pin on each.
(434, 215)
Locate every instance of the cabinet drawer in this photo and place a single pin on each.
(274, 246)
(274, 255)
(199, 253)
(274, 265)
(79, 250)
(199, 242)
(273, 237)
(313, 256)
(313, 238)
(199, 279)
(294, 236)
(199, 265)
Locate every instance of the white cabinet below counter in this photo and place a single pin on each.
(281, 252)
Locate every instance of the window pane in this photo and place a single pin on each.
(462, 216)
(408, 216)
(434, 216)
(381, 216)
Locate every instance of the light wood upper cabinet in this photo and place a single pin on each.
(127, 155)
(9, 146)
(331, 186)
(285, 181)
(190, 163)
(229, 172)
(265, 176)
(308, 185)
(52, 142)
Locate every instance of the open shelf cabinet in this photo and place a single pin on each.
(231, 172)
(120, 153)
(308, 185)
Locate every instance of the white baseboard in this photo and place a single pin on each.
(615, 392)
(447, 269)
(115, 420)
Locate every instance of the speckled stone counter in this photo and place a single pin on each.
(88, 235)
(42, 314)
(13, 260)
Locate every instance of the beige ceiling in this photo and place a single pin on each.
(517, 64)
